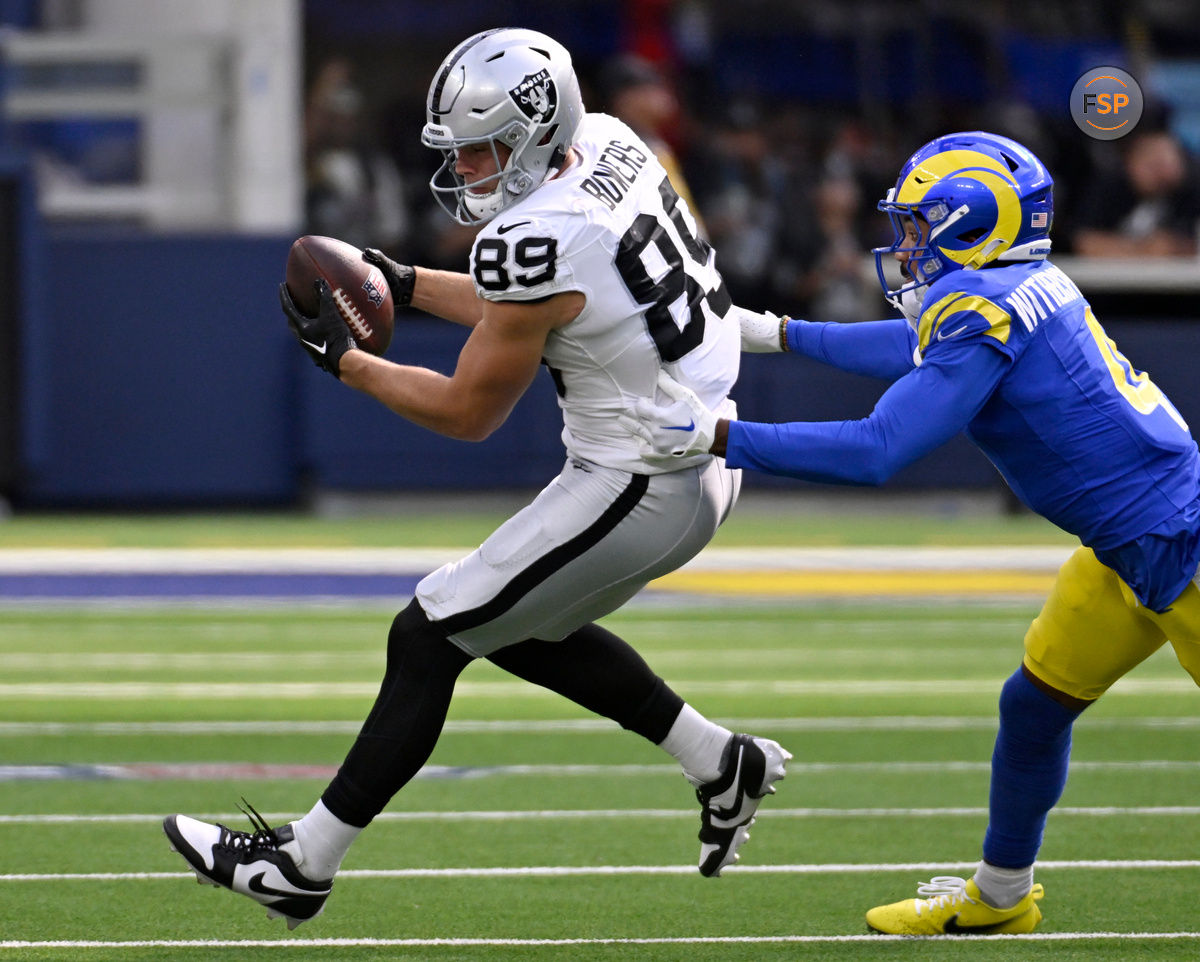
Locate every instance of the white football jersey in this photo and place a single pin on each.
(612, 227)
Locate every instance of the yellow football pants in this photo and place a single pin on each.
(1092, 630)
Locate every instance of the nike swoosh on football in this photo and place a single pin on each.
(680, 427)
(319, 348)
(942, 336)
(953, 928)
(505, 228)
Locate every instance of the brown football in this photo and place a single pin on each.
(359, 289)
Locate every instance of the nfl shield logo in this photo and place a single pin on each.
(374, 286)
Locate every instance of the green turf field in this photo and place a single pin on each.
(760, 519)
(885, 775)
(539, 833)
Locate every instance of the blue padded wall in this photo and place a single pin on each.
(158, 371)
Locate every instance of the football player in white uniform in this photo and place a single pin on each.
(590, 263)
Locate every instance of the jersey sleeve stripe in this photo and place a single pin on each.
(934, 319)
(931, 317)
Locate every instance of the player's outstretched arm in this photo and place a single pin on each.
(915, 415)
(496, 365)
(449, 295)
(881, 349)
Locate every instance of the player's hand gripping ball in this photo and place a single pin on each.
(359, 289)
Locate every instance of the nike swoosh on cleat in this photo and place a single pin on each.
(255, 884)
(953, 928)
(680, 427)
(319, 348)
(725, 814)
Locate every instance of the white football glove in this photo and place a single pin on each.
(761, 333)
(679, 427)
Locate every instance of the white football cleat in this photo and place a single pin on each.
(255, 864)
(749, 770)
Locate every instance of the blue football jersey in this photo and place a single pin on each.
(1082, 437)
(1013, 357)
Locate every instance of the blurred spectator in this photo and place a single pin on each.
(441, 243)
(832, 283)
(858, 152)
(746, 192)
(1148, 207)
(634, 90)
(354, 191)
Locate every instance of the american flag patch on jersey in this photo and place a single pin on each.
(1040, 219)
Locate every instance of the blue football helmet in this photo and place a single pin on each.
(985, 198)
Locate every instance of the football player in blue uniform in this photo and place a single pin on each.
(999, 343)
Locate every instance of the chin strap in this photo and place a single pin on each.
(908, 303)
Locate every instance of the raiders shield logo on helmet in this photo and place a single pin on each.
(536, 96)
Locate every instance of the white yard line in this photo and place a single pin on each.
(564, 726)
(560, 871)
(292, 943)
(271, 691)
(421, 560)
(256, 772)
(1148, 811)
(559, 726)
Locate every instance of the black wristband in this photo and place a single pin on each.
(401, 278)
(406, 280)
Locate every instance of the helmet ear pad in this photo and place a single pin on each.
(969, 226)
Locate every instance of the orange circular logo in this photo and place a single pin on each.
(1106, 103)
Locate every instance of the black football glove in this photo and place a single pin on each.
(400, 277)
(325, 337)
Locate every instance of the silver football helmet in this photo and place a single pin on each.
(506, 86)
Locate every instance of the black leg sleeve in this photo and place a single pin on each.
(596, 669)
(403, 727)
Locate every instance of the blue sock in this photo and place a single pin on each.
(1029, 771)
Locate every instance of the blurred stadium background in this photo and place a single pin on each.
(157, 157)
(185, 496)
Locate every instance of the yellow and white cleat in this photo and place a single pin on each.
(951, 906)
